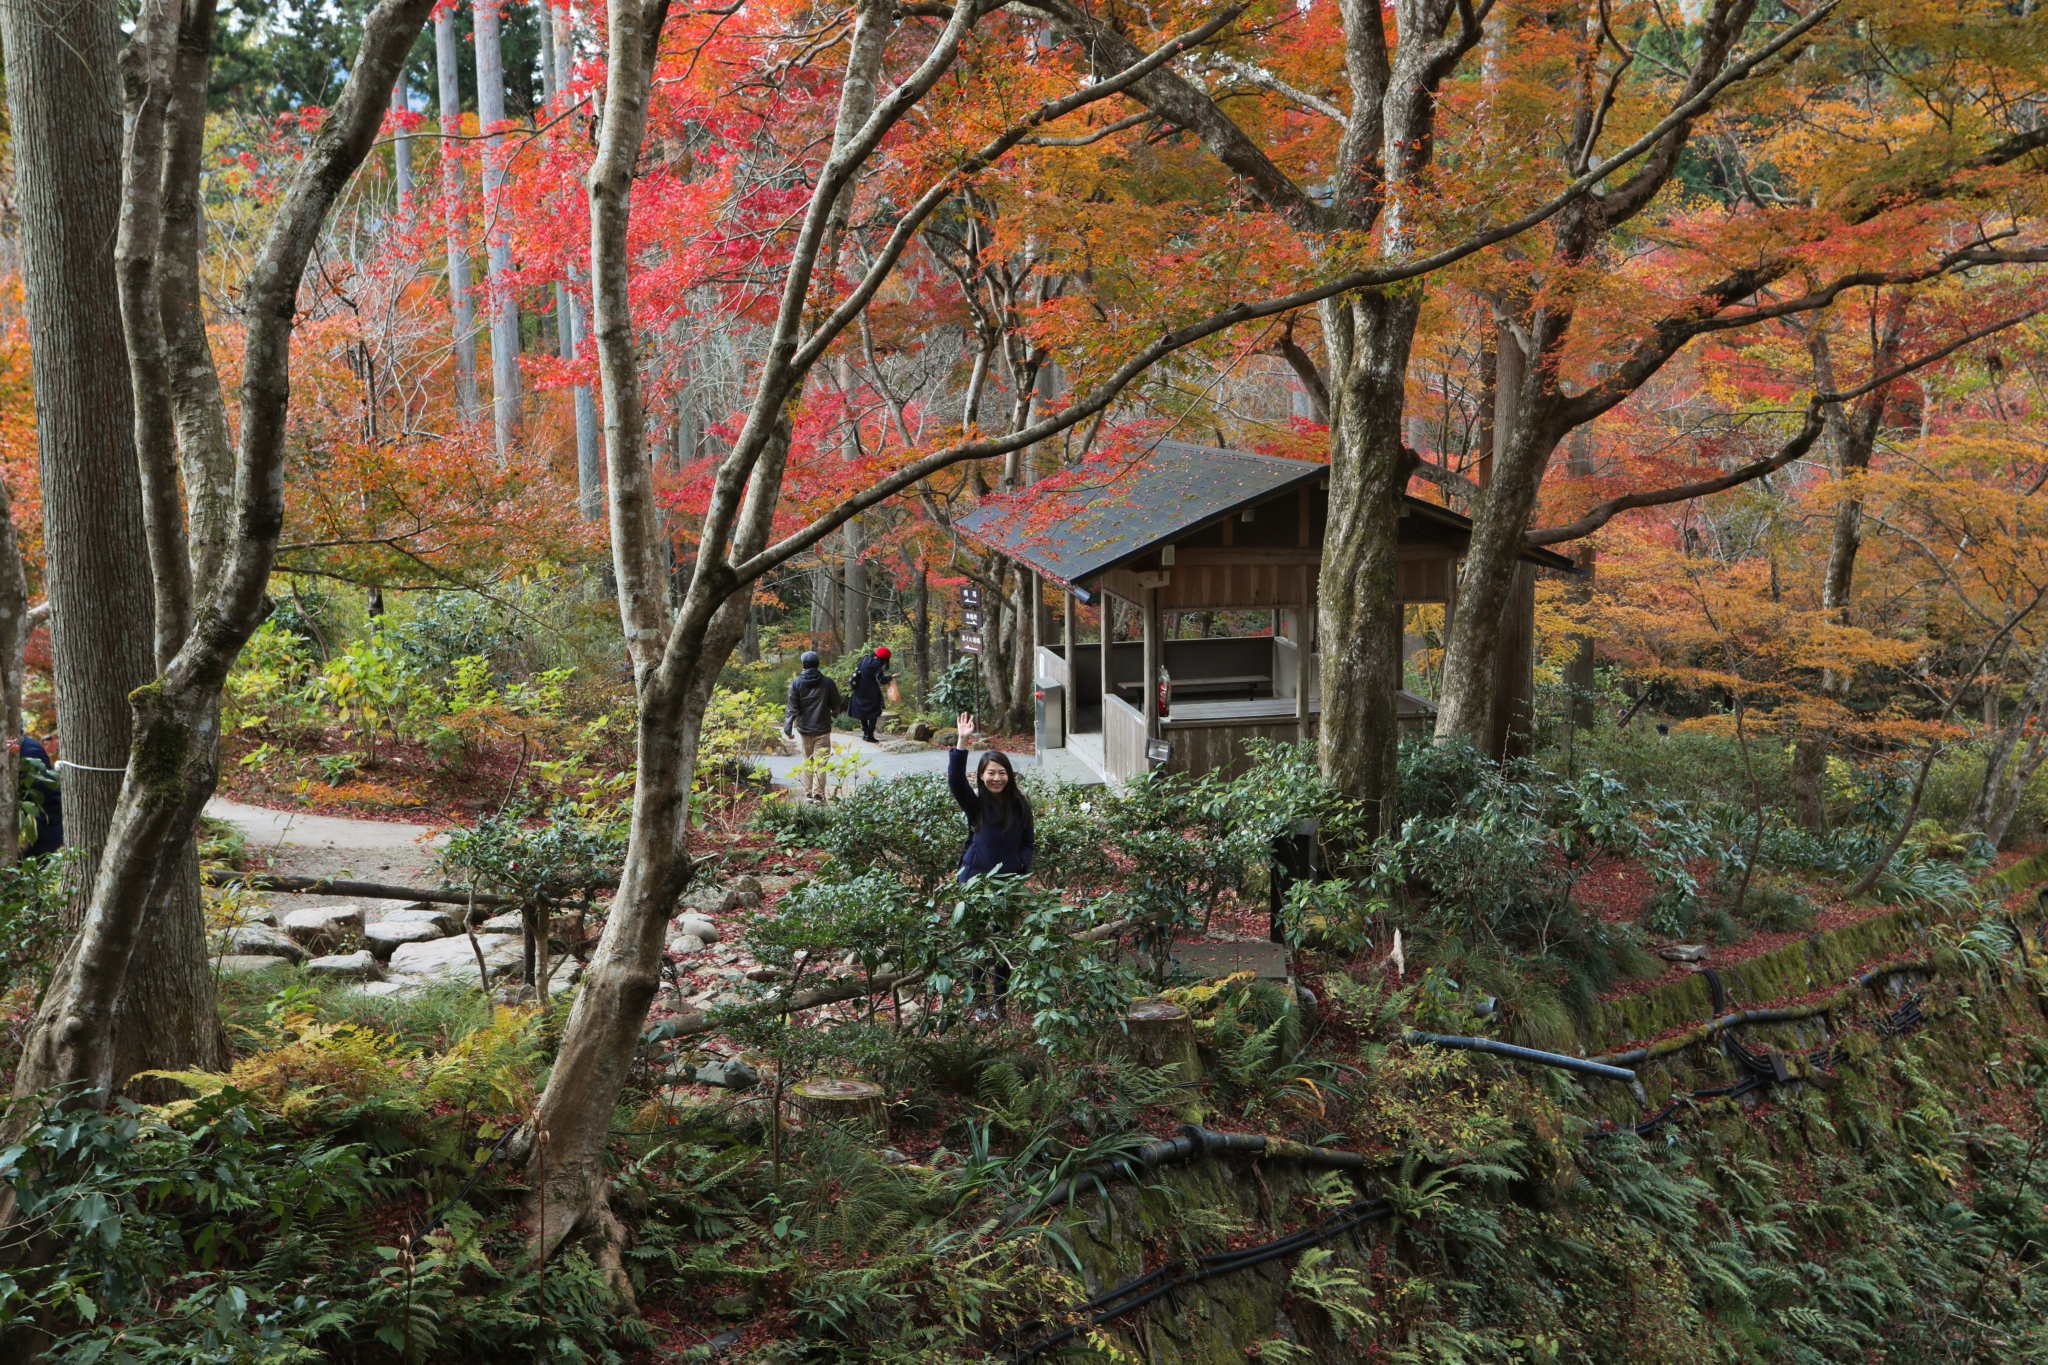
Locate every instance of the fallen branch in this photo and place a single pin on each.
(329, 886)
(1839, 1000)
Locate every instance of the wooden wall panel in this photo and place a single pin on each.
(1123, 740)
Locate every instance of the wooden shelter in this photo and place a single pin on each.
(1199, 529)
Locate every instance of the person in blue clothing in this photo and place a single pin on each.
(865, 690)
(39, 786)
(1000, 833)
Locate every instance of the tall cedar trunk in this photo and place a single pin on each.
(66, 113)
(589, 449)
(171, 768)
(1368, 336)
(462, 312)
(1854, 438)
(921, 638)
(401, 145)
(854, 621)
(502, 308)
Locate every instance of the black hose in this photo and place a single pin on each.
(1523, 1054)
(1106, 1306)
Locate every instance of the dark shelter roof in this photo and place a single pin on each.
(1079, 525)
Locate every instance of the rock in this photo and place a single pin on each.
(384, 937)
(683, 945)
(355, 966)
(707, 900)
(511, 922)
(767, 976)
(1684, 952)
(746, 891)
(728, 1075)
(776, 885)
(904, 746)
(258, 940)
(700, 926)
(733, 1305)
(386, 990)
(249, 964)
(919, 730)
(448, 919)
(946, 738)
(452, 959)
(324, 928)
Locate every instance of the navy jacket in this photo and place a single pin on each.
(990, 848)
(866, 686)
(50, 815)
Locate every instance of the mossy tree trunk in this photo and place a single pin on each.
(171, 759)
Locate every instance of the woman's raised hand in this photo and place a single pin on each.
(966, 727)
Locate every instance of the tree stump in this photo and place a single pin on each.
(1161, 1034)
(853, 1105)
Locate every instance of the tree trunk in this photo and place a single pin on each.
(922, 634)
(855, 599)
(65, 110)
(14, 630)
(171, 768)
(1368, 336)
(448, 56)
(401, 144)
(501, 306)
(2001, 772)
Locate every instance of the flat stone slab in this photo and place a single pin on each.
(446, 918)
(385, 936)
(323, 928)
(259, 940)
(356, 966)
(508, 923)
(249, 964)
(386, 990)
(452, 959)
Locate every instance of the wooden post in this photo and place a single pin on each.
(1108, 669)
(1304, 640)
(1150, 681)
(1070, 638)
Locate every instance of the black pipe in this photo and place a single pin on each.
(1523, 1054)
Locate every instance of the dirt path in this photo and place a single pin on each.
(300, 844)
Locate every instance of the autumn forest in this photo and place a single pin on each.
(1288, 681)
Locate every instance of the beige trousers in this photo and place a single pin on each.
(817, 751)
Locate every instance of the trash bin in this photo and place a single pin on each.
(1051, 712)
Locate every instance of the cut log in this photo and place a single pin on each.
(853, 1105)
(1159, 1033)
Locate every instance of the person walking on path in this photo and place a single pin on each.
(813, 701)
(1000, 834)
(870, 676)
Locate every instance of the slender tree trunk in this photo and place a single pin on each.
(855, 599)
(589, 449)
(2001, 772)
(921, 625)
(501, 307)
(401, 143)
(1368, 338)
(448, 55)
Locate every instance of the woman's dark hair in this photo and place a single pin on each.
(1013, 805)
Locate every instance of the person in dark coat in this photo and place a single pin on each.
(38, 780)
(1000, 832)
(870, 676)
(813, 701)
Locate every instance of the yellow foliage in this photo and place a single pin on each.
(309, 1066)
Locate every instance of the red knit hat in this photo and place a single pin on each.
(882, 652)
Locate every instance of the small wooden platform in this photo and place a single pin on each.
(1214, 961)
